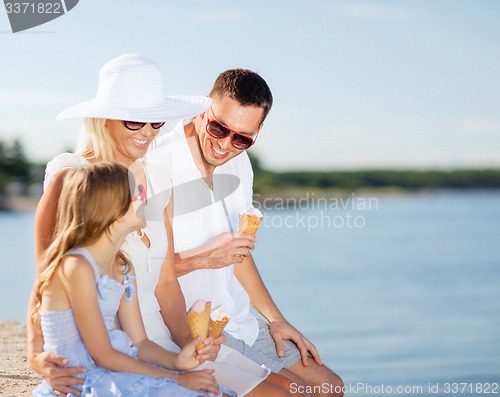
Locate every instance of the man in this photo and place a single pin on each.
(212, 179)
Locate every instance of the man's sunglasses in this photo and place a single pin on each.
(220, 131)
(137, 125)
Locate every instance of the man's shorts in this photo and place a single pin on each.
(263, 351)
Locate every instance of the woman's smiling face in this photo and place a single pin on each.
(130, 145)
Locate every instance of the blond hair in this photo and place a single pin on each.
(96, 142)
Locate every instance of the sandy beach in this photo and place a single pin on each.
(16, 378)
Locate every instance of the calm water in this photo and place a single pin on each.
(393, 290)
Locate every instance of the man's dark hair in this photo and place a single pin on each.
(244, 86)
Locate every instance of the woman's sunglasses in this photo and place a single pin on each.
(137, 125)
(141, 195)
(220, 131)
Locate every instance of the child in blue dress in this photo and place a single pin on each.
(86, 281)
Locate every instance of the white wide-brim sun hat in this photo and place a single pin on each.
(131, 88)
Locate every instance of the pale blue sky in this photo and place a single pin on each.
(356, 83)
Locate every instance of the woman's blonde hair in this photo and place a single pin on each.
(92, 199)
(96, 142)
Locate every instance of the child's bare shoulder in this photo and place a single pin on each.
(74, 266)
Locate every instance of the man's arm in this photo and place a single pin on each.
(250, 279)
(224, 250)
(261, 300)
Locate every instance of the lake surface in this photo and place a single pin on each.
(393, 290)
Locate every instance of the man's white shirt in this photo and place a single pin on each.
(201, 214)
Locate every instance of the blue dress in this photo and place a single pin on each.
(61, 336)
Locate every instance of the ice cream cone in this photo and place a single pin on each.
(216, 327)
(198, 323)
(249, 223)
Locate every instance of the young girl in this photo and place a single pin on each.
(85, 280)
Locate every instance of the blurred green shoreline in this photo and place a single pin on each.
(381, 180)
(21, 181)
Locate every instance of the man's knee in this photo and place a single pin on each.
(321, 379)
(330, 377)
(334, 383)
(294, 383)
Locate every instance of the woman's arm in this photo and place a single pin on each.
(171, 300)
(131, 322)
(169, 295)
(46, 214)
(48, 365)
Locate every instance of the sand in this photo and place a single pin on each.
(16, 378)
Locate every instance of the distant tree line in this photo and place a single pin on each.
(14, 165)
(267, 181)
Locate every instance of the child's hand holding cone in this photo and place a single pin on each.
(198, 318)
(201, 324)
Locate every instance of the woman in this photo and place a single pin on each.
(120, 124)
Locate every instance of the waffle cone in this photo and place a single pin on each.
(198, 324)
(217, 327)
(249, 223)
